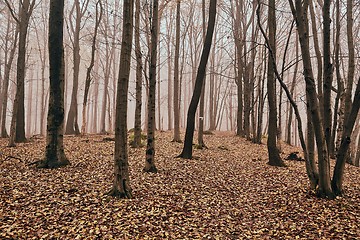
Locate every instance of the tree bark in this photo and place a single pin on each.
(121, 186)
(273, 151)
(17, 129)
(190, 124)
(54, 152)
(176, 76)
(138, 88)
(345, 143)
(150, 146)
(300, 15)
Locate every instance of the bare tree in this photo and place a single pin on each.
(72, 126)
(273, 151)
(98, 16)
(9, 57)
(150, 146)
(190, 124)
(121, 187)
(54, 151)
(17, 129)
(139, 71)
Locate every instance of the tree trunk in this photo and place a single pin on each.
(54, 152)
(7, 70)
(98, 16)
(201, 143)
(345, 142)
(17, 129)
(121, 187)
(150, 146)
(72, 126)
(176, 77)
(273, 151)
(328, 70)
(138, 88)
(300, 15)
(190, 124)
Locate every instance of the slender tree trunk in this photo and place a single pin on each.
(150, 147)
(345, 143)
(7, 70)
(176, 77)
(201, 143)
(17, 129)
(54, 151)
(273, 151)
(300, 15)
(138, 88)
(190, 125)
(121, 186)
(328, 69)
(98, 16)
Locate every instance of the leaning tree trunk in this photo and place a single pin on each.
(121, 187)
(54, 152)
(345, 143)
(190, 124)
(150, 146)
(273, 151)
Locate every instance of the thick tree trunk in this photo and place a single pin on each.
(54, 152)
(121, 187)
(190, 124)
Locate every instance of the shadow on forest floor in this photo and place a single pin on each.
(228, 193)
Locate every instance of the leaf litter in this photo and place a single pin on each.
(228, 192)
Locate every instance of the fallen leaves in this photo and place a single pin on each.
(229, 192)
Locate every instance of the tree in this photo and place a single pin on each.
(139, 72)
(17, 129)
(54, 151)
(72, 126)
(98, 16)
(299, 11)
(150, 146)
(190, 124)
(9, 57)
(273, 151)
(121, 186)
(337, 180)
(176, 77)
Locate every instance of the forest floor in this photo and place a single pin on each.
(228, 192)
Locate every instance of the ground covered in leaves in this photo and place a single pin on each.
(228, 192)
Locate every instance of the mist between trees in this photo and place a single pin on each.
(270, 67)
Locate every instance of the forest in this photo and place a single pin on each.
(179, 119)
